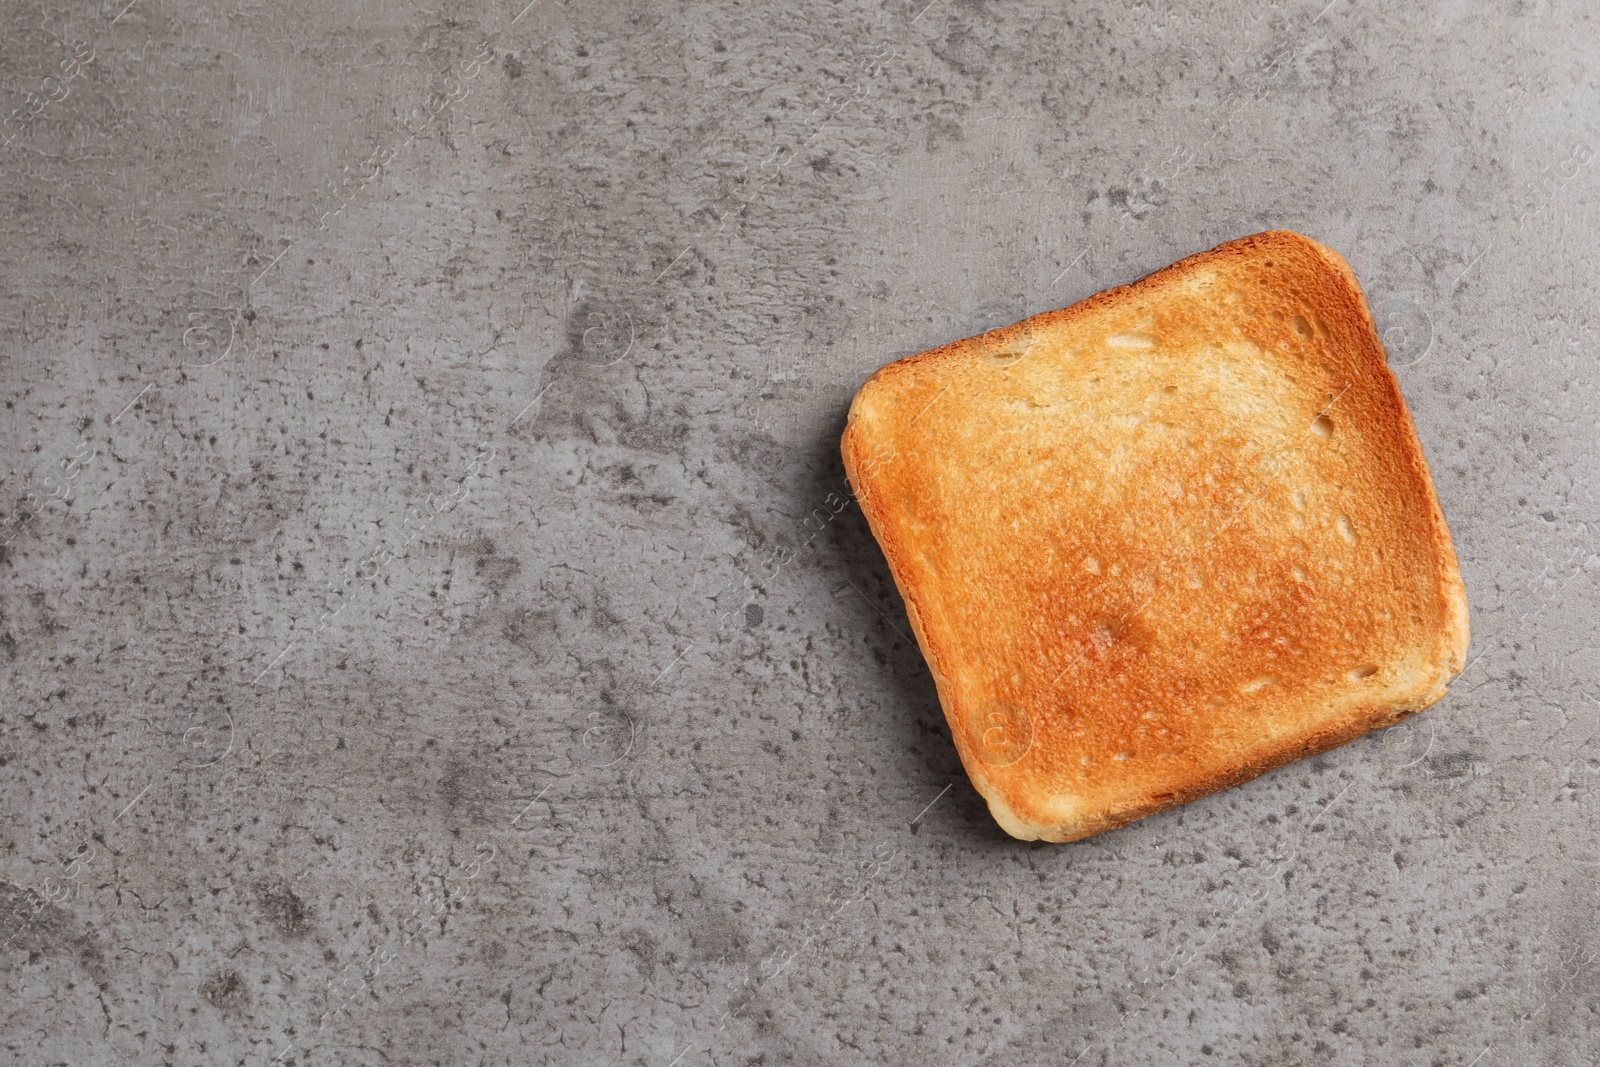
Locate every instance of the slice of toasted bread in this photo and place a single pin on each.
(1164, 540)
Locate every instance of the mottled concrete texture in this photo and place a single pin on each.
(415, 647)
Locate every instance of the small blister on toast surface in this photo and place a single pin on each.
(1164, 540)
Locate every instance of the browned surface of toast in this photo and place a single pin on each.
(1164, 540)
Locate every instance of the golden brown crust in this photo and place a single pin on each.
(1164, 540)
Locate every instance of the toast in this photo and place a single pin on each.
(1164, 540)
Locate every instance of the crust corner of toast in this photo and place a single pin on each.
(1009, 821)
(876, 383)
(1057, 818)
(1023, 827)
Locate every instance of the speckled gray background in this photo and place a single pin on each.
(430, 630)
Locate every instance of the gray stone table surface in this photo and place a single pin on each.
(433, 632)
